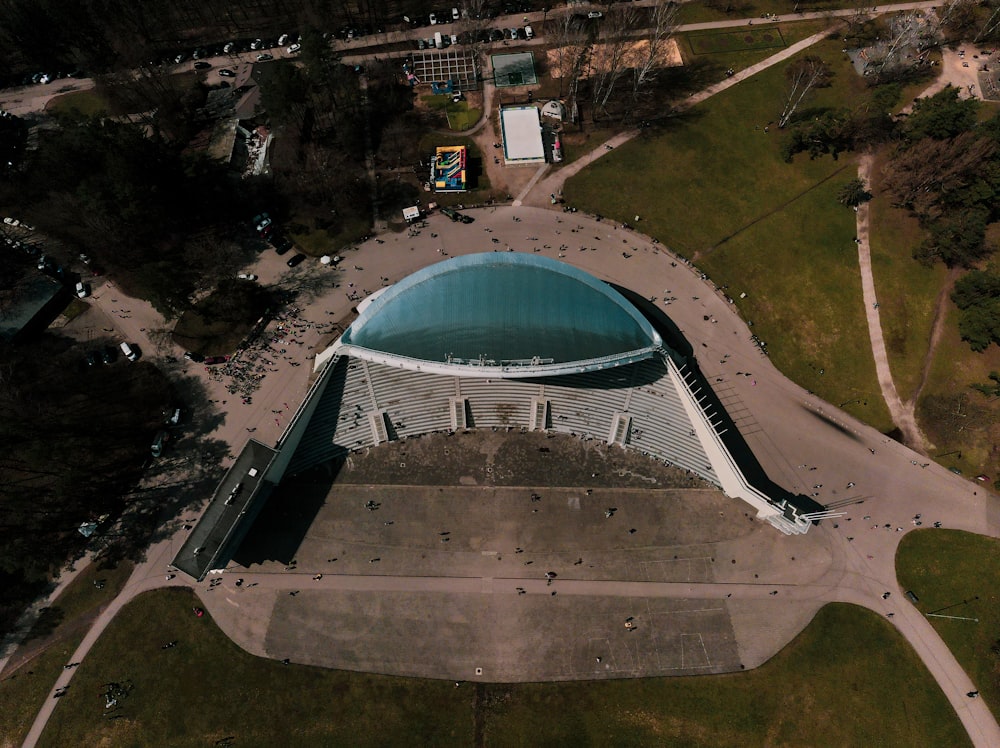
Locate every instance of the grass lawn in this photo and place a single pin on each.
(961, 423)
(708, 42)
(74, 309)
(56, 636)
(811, 314)
(907, 290)
(207, 688)
(219, 322)
(87, 103)
(825, 688)
(208, 337)
(705, 65)
(459, 115)
(945, 567)
(700, 11)
(318, 242)
(716, 190)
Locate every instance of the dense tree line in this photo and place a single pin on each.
(977, 294)
(73, 440)
(946, 172)
(139, 207)
(326, 128)
(836, 130)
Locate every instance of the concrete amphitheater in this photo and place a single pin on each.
(506, 469)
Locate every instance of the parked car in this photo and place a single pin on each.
(282, 244)
(129, 352)
(180, 58)
(257, 44)
(192, 356)
(226, 73)
(455, 14)
(229, 48)
(282, 40)
(247, 276)
(264, 57)
(173, 416)
(296, 260)
(294, 48)
(433, 19)
(595, 14)
(82, 290)
(202, 65)
(212, 360)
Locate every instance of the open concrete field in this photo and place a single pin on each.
(427, 579)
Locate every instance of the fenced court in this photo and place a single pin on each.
(516, 69)
(714, 42)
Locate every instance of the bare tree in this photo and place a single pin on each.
(610, 57)
(662, 17)
(906, 31)
(803, 75)
(571, 45)
(990, 26)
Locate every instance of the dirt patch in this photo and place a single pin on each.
(559, 61)
(511, 458)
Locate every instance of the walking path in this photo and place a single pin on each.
(30, 617)
(902, 412)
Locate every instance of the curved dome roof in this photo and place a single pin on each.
(503, 311)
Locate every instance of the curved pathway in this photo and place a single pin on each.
(902, 413)
(779, 422)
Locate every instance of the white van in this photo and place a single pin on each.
(528, 32)
(129, 352)
(438, 41)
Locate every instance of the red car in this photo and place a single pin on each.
(216, 359)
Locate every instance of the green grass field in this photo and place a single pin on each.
(825, 688)
(713, 42)
(715, 188)
(56, 636)
(701, 11)
(906, 289)
(945, 568)
(459, 115)
(87, 103)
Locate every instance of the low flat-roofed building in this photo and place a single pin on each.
(231, 511)
(522, 135)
